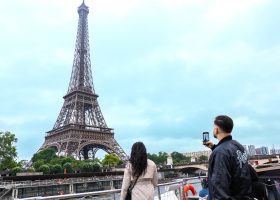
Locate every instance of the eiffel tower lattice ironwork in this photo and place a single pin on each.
(80, 129)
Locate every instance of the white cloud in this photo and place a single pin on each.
(246, 122)
(261, 99)
(221, 12)
(119, 8)
(169, 72)
(17, 120)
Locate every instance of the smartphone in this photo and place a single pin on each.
(205, 137)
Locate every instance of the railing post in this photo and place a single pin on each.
(112, 184)
(114, 195)
(14, 193)
(71, 188)
(158, 189)
(180, 192)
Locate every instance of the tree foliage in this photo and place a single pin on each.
(8, 151)
(203, 158)
(179, 158)
(44, 168)
(88, 166)
(16, 170)
(111, 160)
(46, 155)
(159, 159)
(56, 169)
(68, 167)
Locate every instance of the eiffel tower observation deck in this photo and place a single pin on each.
(80, 129)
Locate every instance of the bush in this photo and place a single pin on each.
(56, 169)
(68, 167)
(16, 170)
(44, 168)
(46, 155)
(38, 164)
(31, 169)
(90, 167)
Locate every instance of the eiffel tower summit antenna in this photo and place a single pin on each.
(80, 129)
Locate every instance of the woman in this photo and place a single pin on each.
(146, 169)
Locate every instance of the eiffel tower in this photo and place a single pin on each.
(80, 129)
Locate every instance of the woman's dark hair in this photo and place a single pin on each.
(138, 159)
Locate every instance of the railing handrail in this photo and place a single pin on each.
(77, 195)
(106, 192)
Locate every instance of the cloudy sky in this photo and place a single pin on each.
(163, 69)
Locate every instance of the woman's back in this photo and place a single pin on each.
(144, 187)
(141, 169)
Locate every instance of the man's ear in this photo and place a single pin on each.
(216, 130)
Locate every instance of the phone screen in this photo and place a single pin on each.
(205, 136)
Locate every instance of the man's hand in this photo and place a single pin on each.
(209, 144)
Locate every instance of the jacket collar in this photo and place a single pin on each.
(225, 139)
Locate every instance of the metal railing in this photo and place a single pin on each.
(171, 189)
(18, 184)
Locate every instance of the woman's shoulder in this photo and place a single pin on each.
(151, 163)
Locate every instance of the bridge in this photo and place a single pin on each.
(202, 167)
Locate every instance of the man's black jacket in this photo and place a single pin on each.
(228, 172)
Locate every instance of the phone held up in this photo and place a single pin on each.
(205, 137)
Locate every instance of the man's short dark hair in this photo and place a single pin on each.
(224, 122)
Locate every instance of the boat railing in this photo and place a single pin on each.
(164, 191)
(172, 190)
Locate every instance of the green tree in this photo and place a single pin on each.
(38, 164)
(8, 151)
(159, 158)
(7, 164)
(22, 163)
(56, 169)
(88, 166)
(203, 158)
(30, 169)
(111, 160)
(162, 157)
(69, 168)
(95, 166)
(68, 159)
(44, 168)
(56, 160)
(16, 170)
(46, 155)
(153, 157)
(179, 158)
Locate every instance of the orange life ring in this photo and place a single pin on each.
(188, 187)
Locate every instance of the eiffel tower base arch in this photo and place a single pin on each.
(83, 144)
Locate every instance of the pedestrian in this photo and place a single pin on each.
(228, 172)
(141, 170)
(203, 193)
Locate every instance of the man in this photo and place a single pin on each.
(228, 172)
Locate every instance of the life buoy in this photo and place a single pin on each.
(189, 187)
